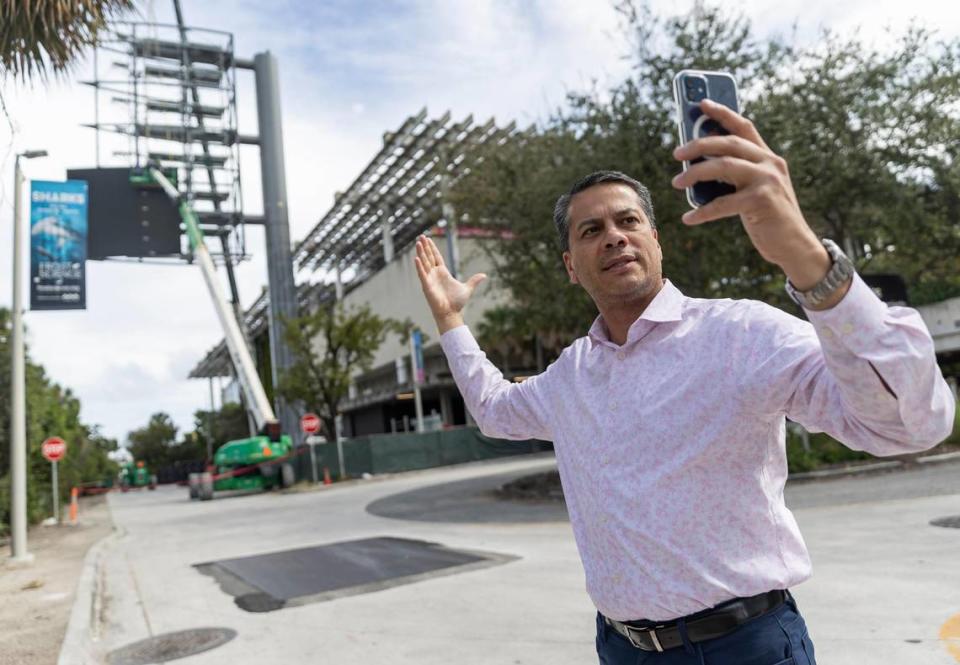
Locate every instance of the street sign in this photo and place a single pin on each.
(54, 449)
(310, 423)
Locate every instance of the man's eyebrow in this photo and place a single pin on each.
(623, 212)
(584, 222)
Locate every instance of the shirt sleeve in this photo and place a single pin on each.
(861, 371)
(502, 409)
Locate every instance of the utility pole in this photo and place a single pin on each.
(210, 420)
(18, 402)
(283, 295)
(419, 374)
(449, 215)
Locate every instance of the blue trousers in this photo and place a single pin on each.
(776, 638)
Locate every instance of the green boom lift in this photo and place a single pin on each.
(259, 462)
(136, 475)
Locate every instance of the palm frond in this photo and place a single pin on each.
(40, 36)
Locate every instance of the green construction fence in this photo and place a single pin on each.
(392, 453)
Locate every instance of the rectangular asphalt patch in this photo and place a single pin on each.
(268, 582)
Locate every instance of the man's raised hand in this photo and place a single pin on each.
(764, 200)
(445, 294)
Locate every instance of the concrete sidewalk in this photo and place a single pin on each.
(36, 599)
(885, 581)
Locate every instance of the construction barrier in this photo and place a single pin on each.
(74, 493)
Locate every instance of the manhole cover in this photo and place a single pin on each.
(171, 646)
(952, 522)
(268, 582)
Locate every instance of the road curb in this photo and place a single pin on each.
(79, 646)
(877, 467)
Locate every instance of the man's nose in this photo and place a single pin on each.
(615, 237)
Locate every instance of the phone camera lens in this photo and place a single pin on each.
(695, 87)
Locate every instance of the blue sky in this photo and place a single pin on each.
(349, 71)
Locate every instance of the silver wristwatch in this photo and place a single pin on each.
(839, 273)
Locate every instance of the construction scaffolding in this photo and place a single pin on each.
(175, 103)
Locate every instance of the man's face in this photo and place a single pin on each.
(614, 253)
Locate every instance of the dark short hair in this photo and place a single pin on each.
(561, 211)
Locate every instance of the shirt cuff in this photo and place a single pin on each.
(458, 340)
(855, 321)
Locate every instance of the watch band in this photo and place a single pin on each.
(840, 271)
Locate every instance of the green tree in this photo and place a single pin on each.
(629, 128)
(870, 137)
(329, 346)
(867, 135)
(43, 35)
(220, 426)
(506, 334)
(51, 410)
(153, 443)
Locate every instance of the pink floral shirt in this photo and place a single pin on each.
(671, 448)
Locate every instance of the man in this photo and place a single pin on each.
(668, 417)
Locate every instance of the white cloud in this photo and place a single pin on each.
(346, 77)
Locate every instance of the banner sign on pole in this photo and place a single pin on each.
(58, 244)
(419, 372)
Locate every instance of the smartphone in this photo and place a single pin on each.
(690, 87)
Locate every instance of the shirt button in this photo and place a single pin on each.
(620, 355)
(847, 328)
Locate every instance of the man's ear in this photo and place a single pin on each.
(568, 264)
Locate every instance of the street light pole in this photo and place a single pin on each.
(18, 405)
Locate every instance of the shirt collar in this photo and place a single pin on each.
(666, 306)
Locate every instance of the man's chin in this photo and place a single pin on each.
(623, 290)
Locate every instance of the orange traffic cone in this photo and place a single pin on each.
(326, 476)
(74, 492)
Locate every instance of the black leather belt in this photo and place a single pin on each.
(702, 626)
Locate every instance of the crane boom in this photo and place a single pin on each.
(250, 384)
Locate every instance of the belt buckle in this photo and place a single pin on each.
(651, 632)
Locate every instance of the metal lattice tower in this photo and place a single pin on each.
(180, 103)
(176, 105)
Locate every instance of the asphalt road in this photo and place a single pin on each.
(885, 582)
(474, 499)
(922, 480)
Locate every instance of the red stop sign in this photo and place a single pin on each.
(310, 423)
(54, 448)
